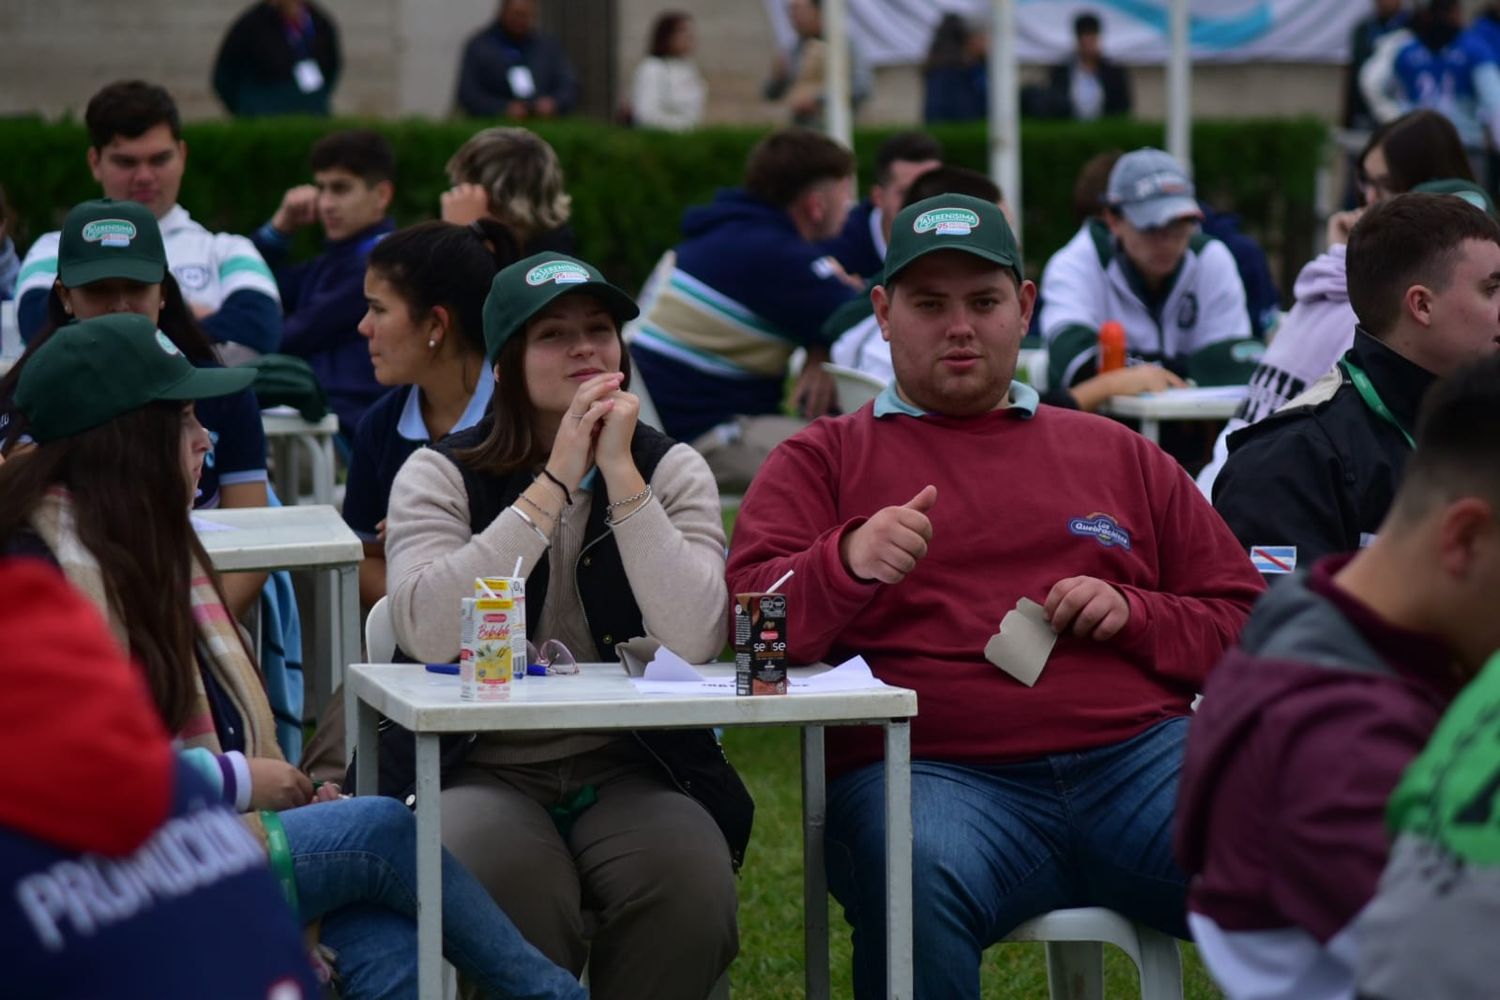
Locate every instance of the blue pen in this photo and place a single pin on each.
(443, 668)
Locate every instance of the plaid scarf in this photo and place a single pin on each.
(218, 643)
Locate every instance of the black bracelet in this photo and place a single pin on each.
(566, 495)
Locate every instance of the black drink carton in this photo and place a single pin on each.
(759, 644)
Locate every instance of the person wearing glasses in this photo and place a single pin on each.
(617, 529)
(1407, 154)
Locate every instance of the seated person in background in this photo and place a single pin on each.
(511, 175)
(748, 285)
(801, 75)
(1408, 154)
(512, 69)
(668, 91)
(354, 175)
(136, 153)
(424, 288)
(104, 495)
(617, 531)
(1318, 476)
(110, 259)
(279, 57)
(955, 75)
(1337, 682)
(901, 159)
(101, 798)
(863, 345)
(1145, 265)
(914, 526)
(1089, 86)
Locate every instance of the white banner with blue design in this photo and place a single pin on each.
(893, 32)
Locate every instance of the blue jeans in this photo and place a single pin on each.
(356, 867)
(993, 847)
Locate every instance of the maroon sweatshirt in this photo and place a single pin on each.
(1303, 732)
(1022, 502)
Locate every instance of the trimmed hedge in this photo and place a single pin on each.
(630, 187)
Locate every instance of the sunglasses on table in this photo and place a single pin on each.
(551, 658)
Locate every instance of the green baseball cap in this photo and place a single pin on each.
(526, 287)
(1467, 190)
(105, 238)
(951, 222)
(92, 371)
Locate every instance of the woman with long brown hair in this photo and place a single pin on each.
(104, 493)
(617, 530)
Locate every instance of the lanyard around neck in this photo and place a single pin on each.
(1366, 390)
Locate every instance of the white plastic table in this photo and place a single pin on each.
(312, 537)
(601, 696)
(285, 432)
(1152, 408)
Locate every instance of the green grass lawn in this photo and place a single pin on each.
(771, 951)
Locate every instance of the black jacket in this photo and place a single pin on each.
(1321, 475)
(691, 758)
(1112, 77)
(254, 70)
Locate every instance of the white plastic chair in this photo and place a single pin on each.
(1075, 953)
(380, 635)
(854, 387)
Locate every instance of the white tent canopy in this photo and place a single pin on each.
(1137, 31)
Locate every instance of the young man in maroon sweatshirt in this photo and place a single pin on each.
(914, 525)
(1338, 681)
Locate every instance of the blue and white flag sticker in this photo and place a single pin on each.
(1270, 559)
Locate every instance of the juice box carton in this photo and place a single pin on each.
(759, 644)
(514, 588)
(484, 664)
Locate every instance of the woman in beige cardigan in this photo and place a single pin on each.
(586, 839)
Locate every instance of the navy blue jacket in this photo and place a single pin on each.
(324, 300)
(484, 81)
(855, 246)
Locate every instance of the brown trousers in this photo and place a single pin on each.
(641, 889)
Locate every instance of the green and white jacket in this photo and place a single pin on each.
(1199, 328)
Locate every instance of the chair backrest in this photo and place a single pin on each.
(380, 637)
(854, 387)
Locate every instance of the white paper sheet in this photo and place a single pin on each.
(204, 526)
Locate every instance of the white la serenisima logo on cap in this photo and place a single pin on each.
(559, 272)
(946, 222)
(165, 343)
(109, 232)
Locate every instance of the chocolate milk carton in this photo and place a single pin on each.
(759, 644)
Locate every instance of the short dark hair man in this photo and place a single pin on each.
(747, 286)
(1318, 476)
(919, 522)
(900, 160)
(1337, 682)
(354, 175)
(511, 68)
(136, 153)
(1088, 85)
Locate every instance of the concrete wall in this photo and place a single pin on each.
(401, 58)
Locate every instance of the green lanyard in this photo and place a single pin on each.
(1366, 390)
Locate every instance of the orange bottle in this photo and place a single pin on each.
(1111, 346)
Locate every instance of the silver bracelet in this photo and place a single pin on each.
(613, 522)
(643, 494)
(530, 523)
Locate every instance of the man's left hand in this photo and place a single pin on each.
(1087, 607)
(815, 391)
